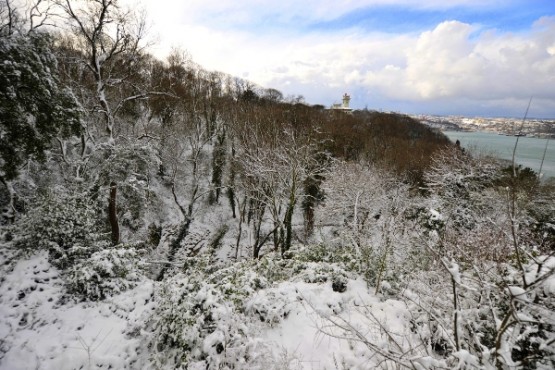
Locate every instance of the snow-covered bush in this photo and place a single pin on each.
(203, 310)
(456, 174)
(65, 224)
(344, 256)
(483, 314)
(200, 321)
(104, 273)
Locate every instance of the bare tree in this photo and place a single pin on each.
(26, 18)
(111, 40)
(275, 162)
(367, 207)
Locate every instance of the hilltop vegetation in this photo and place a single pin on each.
(158, 215)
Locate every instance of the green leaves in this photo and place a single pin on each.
(34, 107)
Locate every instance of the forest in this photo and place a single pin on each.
(157, 215)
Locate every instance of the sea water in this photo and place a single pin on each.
(529, 151)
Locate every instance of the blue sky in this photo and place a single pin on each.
(508, 16)
(468, 57)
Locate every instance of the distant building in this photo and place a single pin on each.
(344, 106)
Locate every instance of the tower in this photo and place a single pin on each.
(346, 100)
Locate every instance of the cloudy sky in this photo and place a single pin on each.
(469, 57)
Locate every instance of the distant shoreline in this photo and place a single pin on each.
(529, 151)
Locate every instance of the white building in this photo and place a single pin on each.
(344, 106)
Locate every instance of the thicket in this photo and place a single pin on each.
(391, 140)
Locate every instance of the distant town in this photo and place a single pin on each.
(541, 128)
(532, 127)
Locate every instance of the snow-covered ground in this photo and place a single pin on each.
(311, 340)
(41, 327)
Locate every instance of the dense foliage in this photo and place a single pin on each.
(395, 141)
(35, 108)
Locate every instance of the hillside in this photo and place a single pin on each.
(156, 215)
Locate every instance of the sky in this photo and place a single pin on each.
(446, 57)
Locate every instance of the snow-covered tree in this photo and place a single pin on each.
(35, 108)
(109, 41)
(367, 208)
(275, 163)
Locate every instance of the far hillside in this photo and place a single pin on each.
(392, 140)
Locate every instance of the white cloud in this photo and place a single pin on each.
(450, 64)
(447, 62)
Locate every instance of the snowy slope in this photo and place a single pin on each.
(42, 328)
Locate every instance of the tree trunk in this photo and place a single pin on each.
(242, 211)
(257, 225)
(112, 214)
(288, 224)
(308, 218)
(231, 186)
(277, 242)
(9, 212)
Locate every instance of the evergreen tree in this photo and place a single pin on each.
(34, 107)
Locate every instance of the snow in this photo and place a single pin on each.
(466, 359)
(536, 273)
(40, 328)
(303, 335)
(453, 269)
(435, 215)
(518, 293)
(549, 287)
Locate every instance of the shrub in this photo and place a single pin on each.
(64, 224)
(199, 322)
(105, 272)
(200, 319)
